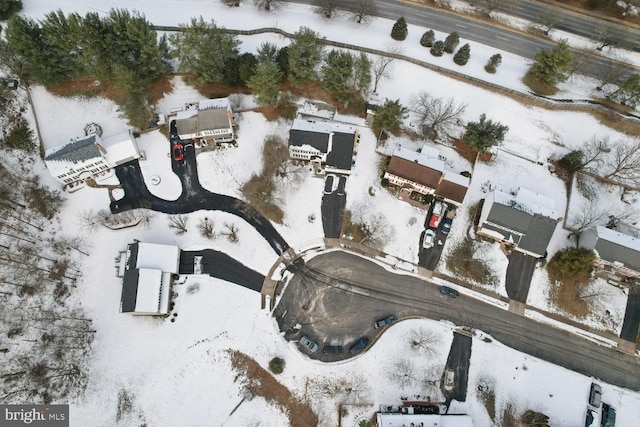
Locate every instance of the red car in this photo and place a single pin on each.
(177, 152)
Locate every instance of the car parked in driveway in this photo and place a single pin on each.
(328, 184)
(446, 227)
(308, 343)
(429, 239)
(332, 349)
(381, 323)
(342, 182)
(595, 395)
(359, 345)
(449, 291)
(437, 213)
(177, 152)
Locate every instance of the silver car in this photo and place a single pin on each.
(309, 344)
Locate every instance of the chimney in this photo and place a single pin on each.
(101, 148)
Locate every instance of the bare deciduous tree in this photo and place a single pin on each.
(179, 223)
(488, 6)
(362, 11)
(549, 20)
(231, 3)
(606, 35)
(89, 220)
(381, 66)
(231, 231)
(424, 341)
(438, 116)
(594, 151)
(611, 71)
(403, 373)
(625, 164)
(267, 4)
(205, 226)
(326, 8)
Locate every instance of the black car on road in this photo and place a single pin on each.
(449, 291)
(332, 349)
(359, 345)
(381, 323)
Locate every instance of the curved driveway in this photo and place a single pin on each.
(193, 198)
(337, 296)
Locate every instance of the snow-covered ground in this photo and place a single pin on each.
(178, 372)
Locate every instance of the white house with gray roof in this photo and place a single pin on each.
(617, 250)
(90, 156)
(208, 121)
(327, 145)
(524, 219)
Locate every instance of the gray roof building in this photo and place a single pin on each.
(613, 246)
(76, 151)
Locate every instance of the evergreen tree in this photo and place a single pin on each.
(265, 82)
(438, 48)
(553, 66)
(484, 134)
(629, 92)
(8, 8)
(389, 116)
(239, 69)
(462, 55)
(493, 63)
(204, 51)
(362, 73)
(451, 42)
(399, 30)
(305, 54)
(282, 59)
(336, 72)
(428, 38)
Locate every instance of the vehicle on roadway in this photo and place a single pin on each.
(429, 239)
(332, 349)
(449, 291)
(437, 213)
(308, 343)
(359, 345)
(177, 152)
(381, 323)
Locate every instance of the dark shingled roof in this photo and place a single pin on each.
(508, 217)
(341, 153)
(539, 234)
(76, 151)
(317, 140)
(415, 172)
(612, 251)
(451, 190)
(130, 281)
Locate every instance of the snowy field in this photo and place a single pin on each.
(178, 373)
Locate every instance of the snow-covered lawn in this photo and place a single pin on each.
(178, 372)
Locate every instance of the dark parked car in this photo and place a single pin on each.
(359, 345)
(595, 395)
(173, 130)
(608, 416)
(332, 349)
(446, 227)
(309, 344)
(177, 152)
(384, 322)
(328, 184)
(449, 291)
(342, 182)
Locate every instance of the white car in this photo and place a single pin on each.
(309, 344)
(429, 239)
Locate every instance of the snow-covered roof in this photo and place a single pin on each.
(160, 257)
(423, 420)
(120, 147)
(527, 201)
(181, 115)
(614, 246)
(419, 158)
(216, 103)
(321, 126)
(76, 151)
(149, 286)
(456, 178)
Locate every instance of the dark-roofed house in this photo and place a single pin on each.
(424, 172)
(90, 157)
(147, 271)
(617, 251)
(328, 146)
(524, 219)
(208, 121)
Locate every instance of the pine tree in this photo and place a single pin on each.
(362, 73)
(204, 51)
(484, 134)
(265, 83)
(8, 8)
(629, 92)
(304, 56)
(451, 42)
(428, 38)
(493, 63)
(438, 48)
(462, 55)
(389, 116)
(553, 66)
(399, 30)
(336, 73)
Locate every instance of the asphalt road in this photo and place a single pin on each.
(193, 198)
(476, 30)
(222, 266)
(337, 296)
(518, 277)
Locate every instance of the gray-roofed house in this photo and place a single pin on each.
(90, 156)
(523, 219)
(328, 146)
(617, 250)
(424, 172)
(208, 121)
(147, 271)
